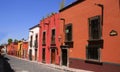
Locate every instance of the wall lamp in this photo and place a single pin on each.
(59, 38)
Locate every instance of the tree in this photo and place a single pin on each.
(10, 40)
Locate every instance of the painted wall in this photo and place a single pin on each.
(25, 49)
(78, 15)
(33, 32)
(46, 25)
(12, 48)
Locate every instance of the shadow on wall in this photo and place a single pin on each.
(4, 65)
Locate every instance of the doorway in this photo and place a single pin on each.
(43, 55)
(64, 57)
(35, 54)
(52, 56)
(30, 54)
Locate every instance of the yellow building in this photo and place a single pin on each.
(19, 51)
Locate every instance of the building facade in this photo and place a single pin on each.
(49, 50)
(25, 49)
(12, 48)
(90, 35)
(22, 49)
(33, 42)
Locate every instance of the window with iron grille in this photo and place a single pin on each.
(53, 36)
(36, 41)
(44, 38)
(31, 41)
(68, 32)
(94, 27)
(93, 53)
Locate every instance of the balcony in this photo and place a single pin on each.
(53, 41)
(43, 43)
(95, 43)
(68, 44)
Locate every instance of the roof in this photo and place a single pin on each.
(72, 4)
(34, 27)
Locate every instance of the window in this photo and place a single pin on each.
(53, 37)
(93, 53)
(44, 38)
(36, 41)
(68, 32)
(95, 42)
(94, 28)
(31, 41)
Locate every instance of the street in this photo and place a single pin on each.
(19, 65)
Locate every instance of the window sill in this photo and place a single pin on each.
(95, 43)
(92, 61)
(53, 44)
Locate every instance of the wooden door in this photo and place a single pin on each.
(53, 56)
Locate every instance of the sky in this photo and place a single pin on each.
(17, 16)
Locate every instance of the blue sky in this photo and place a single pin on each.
(17, 16)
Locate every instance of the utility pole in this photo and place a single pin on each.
(62, 5)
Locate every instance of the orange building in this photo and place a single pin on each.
(90, 35)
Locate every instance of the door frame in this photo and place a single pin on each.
(51, 57)
(44, 55)
(67, 57)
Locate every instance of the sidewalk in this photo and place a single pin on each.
(67, 69)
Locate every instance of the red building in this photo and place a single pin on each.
(12, 48)
(25, 49)
(49, 50)
(91, 35)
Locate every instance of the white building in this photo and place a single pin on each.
(33, 42)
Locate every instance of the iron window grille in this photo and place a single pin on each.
(44, 38)
(31, 41)
(36, 42)
(93, 53)
(95, 28)
(68, 32)
(53, 37)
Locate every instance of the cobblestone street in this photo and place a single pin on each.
(20, 65)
